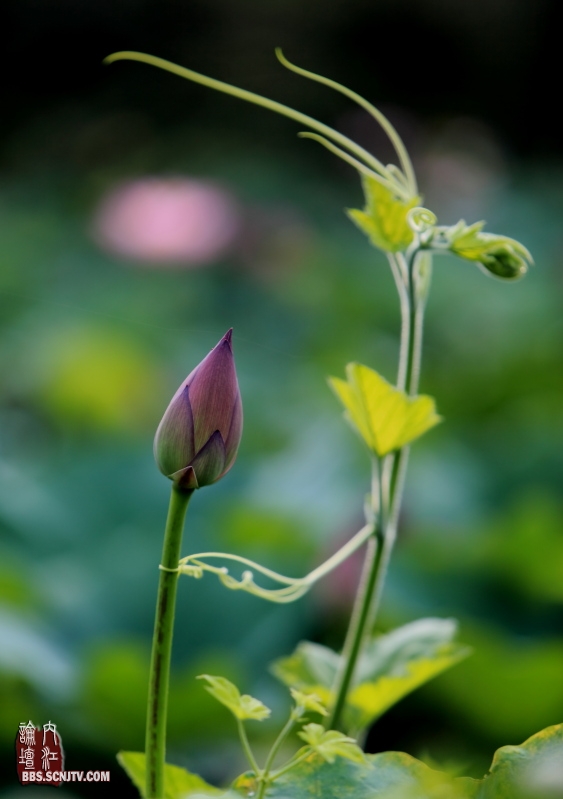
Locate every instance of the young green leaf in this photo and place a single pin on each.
(241, 706)
(384, 218)
(385, 417)
(178, 783)
(330, 744)
(308, 701)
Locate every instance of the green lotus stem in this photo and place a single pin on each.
(159, 676)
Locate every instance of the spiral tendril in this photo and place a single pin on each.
(421, 219)
(293, 587)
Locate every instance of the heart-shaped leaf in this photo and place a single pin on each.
(385, 417)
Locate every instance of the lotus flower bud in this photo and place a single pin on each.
(197, 440)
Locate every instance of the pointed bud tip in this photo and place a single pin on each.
(227, 339)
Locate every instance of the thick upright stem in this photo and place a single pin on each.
(157, 706)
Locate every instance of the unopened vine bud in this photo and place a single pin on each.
(197, 440)
(500, 256)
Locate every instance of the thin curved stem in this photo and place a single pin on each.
(295, 587)
(394, 137)
(397, 186)
(416, 308)
(291, 764)
(247, 750)
(272, 755)
(159, 675)
(418, 324)
(399, 270)
(256, 99)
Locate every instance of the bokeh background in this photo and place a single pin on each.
(140, 217)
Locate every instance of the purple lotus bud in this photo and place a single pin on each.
(197, 440)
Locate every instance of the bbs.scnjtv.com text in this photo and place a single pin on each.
(66, 776)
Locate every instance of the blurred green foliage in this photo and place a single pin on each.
(91, 349)
(531, 770)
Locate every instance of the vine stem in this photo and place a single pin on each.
(247, 749)
(389, 484)
(159, 675)
(356, 631)
(292, 763)
(265, 776)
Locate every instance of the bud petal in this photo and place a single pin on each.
(234, 435)
(174, 441)
(197, 440)
(209, 463)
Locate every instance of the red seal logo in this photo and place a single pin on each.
(39, 754)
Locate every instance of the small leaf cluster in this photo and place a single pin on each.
(388, 221)
(330, 744)
(326, 744)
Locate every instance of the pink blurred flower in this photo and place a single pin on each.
(337, 591)
(177, 221)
